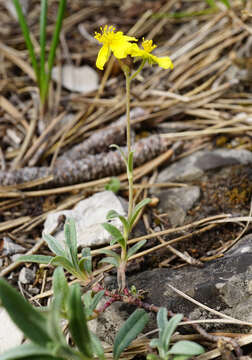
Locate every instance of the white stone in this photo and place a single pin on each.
(89, 214)
(10, 335)
(79, 79)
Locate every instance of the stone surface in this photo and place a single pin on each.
(194, 166)
(26, 276)
(10, 248)
(10, 335)
(176, 202)
(224, 284)
(89, 214)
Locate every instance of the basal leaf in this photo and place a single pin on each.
(86, 254)
(39, 259)
(77, 322)
(27, 351)
(185, 347)
(129, 331)
(53, 245)
(71, 239)
(63, 261)
(169, 330)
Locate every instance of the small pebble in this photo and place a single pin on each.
(26, 276)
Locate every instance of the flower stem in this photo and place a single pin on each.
(129, 172)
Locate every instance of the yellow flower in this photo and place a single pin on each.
(114, 42)
(145, 53)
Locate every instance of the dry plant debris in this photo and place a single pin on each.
(205, 101)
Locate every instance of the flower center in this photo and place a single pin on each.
(107, 34)
(147, 45)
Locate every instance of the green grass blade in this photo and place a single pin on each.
(27, 38)
(43, 20)
(54, 44)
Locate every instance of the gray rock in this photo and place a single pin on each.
(26, 276)
(10, 248)
(89, 214)
(10, 335)
(224, 284)
(193, 166)
(176, 202)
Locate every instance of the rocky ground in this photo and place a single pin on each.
(192, 135)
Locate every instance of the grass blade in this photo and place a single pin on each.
(43, 20)
(27, 38)
(54, 44)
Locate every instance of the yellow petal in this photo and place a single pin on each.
(102, 57)
(163, 62)
(120, 49)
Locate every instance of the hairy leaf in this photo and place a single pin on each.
(71, 240)
(113, 185)
(135, 248)
(53, 245)
(77, 322)
(39, 259)
(185, 347)
(169, 330)
(28, 351)
(110, 260)
(129, 331)
(136, 211)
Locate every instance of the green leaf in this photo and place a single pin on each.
(27, 351)
(121, 152)
(96, 299)
(136, 211)
(30, 321)
(60, 284)
(185, 347)
(110, 253)
(227, 3)
(53, 322)
(113, 185)
(135, 248)
(162, 318)
(86, 254)
(63, 261)
(114, 214)
(71, 240)
(152, 357)
(96, 346)
(129, 331)
(39, 259)
(130, 162)
(110, 260)
(211, 3)
(169, 330)
(53, 245)
(26, 34)
(154, 343)
(116, 234)
(77, 322)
